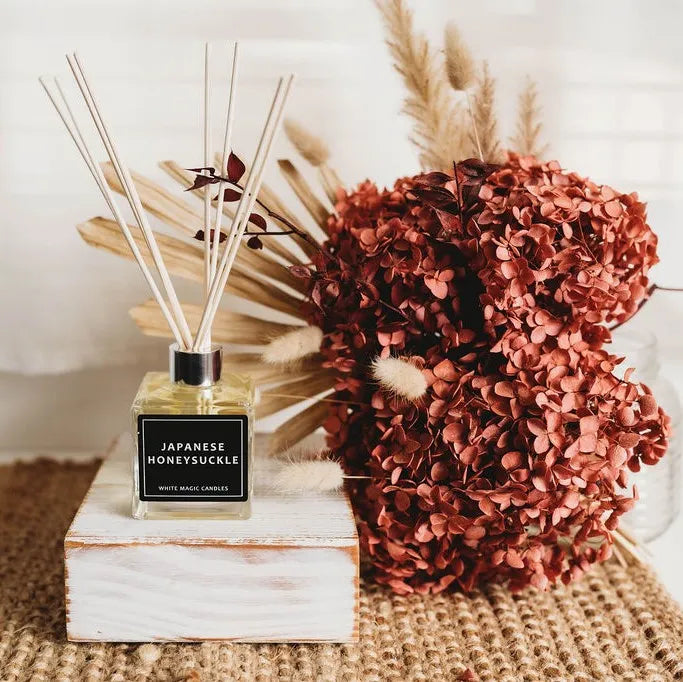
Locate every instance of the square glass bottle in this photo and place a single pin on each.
(194, 435)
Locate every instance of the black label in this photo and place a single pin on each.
(193, 458)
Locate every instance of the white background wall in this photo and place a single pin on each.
(70, 359)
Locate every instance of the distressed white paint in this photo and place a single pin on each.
(290, 573)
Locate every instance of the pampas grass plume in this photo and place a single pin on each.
(323, 475)
(293, 345)
(311, 147)
(459, 64)
(400, 377)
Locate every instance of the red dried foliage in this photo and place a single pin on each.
(499, 283)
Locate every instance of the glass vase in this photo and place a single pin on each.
(659, 486)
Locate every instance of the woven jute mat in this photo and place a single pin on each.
(616, 624)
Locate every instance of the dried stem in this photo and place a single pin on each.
(292, 229)
(473, 121)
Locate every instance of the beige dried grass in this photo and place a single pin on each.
(278, 398)
(310, 146)
(485, 119)
(527, 138)
(185, 259)
(461, 74)
(229, 327)
(399, 376)
(316, 152)
(438, 121)
(293, 346)
(459, 63)
(316, 476)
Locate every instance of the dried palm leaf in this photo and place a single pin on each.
(303, 191)
(527, 138)
(182, 215)
(261, 263)
(183, 177)
(285, 395)
(331, 182)
(251, 364)
(186, 178)
(438, 128)
(278, 246)
(294, 430)
(247, 260)
(159, 201)
(229, 327)
(186, 260)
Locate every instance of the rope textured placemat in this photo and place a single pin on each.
(615, 624)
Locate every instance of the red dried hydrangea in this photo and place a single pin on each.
(498, 282)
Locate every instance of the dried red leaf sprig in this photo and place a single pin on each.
(234, 171)
(511, 467)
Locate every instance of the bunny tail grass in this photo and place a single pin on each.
(459, 65)
(400, 377)
(323, 475)
(293, 345)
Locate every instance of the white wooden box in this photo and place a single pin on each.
(287, 574)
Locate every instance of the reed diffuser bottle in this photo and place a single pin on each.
(194, 440)
(193, 426)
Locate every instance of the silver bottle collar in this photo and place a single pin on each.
(195, 369)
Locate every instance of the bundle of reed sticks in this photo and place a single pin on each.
(217, 265)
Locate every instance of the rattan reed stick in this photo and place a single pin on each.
(207, 154)
(131, 194)
(65, 113)
(230, 115)
(245, 205)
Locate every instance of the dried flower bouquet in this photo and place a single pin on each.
(449, 334)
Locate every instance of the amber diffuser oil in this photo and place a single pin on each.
(194, 438)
